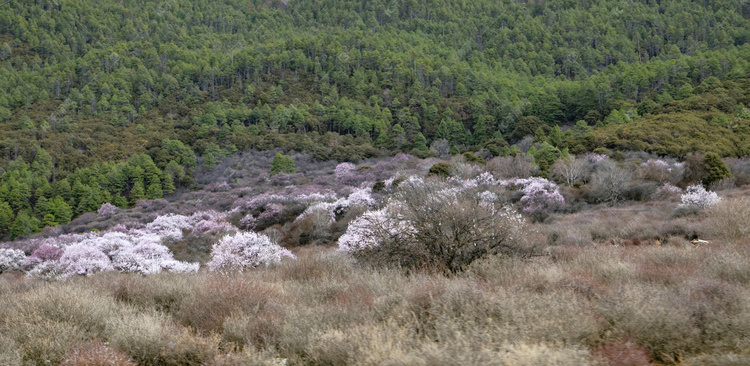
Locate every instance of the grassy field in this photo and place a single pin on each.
(611, 287)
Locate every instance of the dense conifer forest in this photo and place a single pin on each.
(111, 101)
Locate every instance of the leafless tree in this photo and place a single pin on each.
(570, 170)
(609, 182)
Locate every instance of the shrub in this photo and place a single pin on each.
(539, 195)
(473, 158)
(245, 250)
(716, 168)
(282, 164)
(519, 166)
(96, 353)
(11, 259)
(107, 209)
(729, 219)
(697, 197)
(429, 225)
(147, 258)
(666, 191)
(81, 259)
(609, 182)
(344, 169)
(570, 170)
(441, 170)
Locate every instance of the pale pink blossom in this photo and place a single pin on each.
(107, 209)
(80, 259)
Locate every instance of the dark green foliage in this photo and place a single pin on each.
(94, 84)
(528, 126)
(24, 224)
(473, 158)
(716, 168)
(420, 145)
(441, 170)
(282, 164)
(6, 218)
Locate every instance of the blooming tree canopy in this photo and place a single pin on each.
(245, 250)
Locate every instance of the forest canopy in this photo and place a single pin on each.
(111, 101)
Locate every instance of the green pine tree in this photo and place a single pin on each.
(282, 164)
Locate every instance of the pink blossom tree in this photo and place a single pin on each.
(81, 259)
(107, 209)
(344, 169)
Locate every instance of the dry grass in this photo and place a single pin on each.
(613, 301)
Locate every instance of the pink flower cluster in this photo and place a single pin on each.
(344, 169)
(538, 194)
(131, 247)
(107, 209)
(593, 158)
(81, 259)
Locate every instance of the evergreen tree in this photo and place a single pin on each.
(716, 169)
(282, 164)
(6, 218)
(60, 210)
(24, 224)
(137, 193)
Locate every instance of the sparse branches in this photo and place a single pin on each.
(570, 170)
(434, 226)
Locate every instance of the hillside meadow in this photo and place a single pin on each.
(302, 272)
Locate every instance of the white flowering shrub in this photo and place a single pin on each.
(148, 258)
(361, 196)
(81, 259)
(539, 194)
(212, 227)
(431, 225)
(696, 196)
(11, 259)
(48, 270)
(370, 229)
(171, 226)
(245, 250)
(127, 248)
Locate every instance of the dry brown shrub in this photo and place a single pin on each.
(96, 353)
(224, 297)
(313, 229)
(165, 292)
(623, 352)
(42, 340)
(10, 353)
(728, 359)
(316, 264)
(729, 219)
(730, 265)
(259, 331)
(653, 318)
(540, 354)
(150, 338)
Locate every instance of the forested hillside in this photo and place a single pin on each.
(111, 101)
